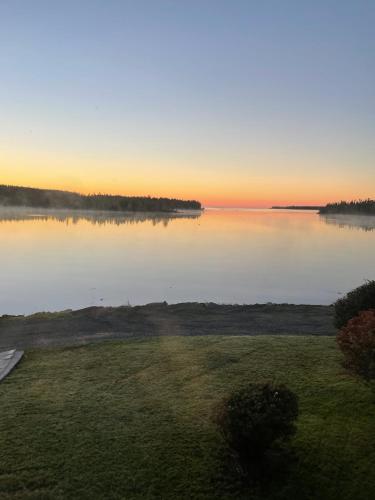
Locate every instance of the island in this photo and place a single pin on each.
(355, 207)
(12, 196)
(298, 207)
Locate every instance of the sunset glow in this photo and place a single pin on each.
(229, 116)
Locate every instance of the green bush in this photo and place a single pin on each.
(357, 342)
(253, 419)
(359, 299)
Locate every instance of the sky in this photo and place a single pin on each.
(234, 103)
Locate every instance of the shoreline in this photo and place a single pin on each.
(93, 324)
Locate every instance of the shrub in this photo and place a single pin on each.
(357, 342)
(254, 418)
(359, 299)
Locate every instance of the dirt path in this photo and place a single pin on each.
(98, 323)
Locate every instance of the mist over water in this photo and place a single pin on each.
(356, 222)
(54, 260)
(93, 216)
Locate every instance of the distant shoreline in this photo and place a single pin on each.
(19, 196)
(298, 207)
(355, 207)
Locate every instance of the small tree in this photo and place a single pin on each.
(357, 342)
(361, 298)
(254, 418)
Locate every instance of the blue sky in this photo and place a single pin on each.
(224, 100)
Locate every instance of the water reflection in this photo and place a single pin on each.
(359, 222)
(63, 260)
(100, 218)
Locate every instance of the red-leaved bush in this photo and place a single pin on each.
(357, 341)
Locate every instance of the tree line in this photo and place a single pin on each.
(297, 207)
(50, 198)
(360, 207)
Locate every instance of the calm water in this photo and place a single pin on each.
(54, 261)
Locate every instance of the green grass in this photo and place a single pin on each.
(132, 420)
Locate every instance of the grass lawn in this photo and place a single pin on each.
(132, 420)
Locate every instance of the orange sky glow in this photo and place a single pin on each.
(221, 188)
(241, 197)
(228, 103)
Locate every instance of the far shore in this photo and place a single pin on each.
(94, 324)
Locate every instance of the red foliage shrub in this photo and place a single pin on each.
(357, 341)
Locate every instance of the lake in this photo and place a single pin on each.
(54, 260)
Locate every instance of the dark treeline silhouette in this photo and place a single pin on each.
(355, 207)
(298, 207)
(48, 198)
